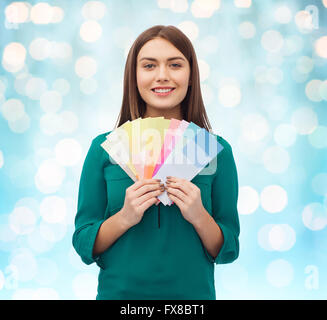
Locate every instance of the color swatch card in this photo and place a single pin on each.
(157, 147)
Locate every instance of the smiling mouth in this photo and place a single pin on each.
(162, 92)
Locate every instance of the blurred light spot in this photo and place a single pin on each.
(20, 82)
(53, 209)
(41, 13)
(51, 124)
(51, 101)
(47, 272)
(62, 86)
(279, 273)
(3, 86)
(299, 77)
(285, 135)
(85, 286)
(260, 74)
(204, 70)
(276, 237)
(190, 29)
(229, 93)
(178, 6)
(207, 93)
(45, 294)
(57, 15)
(246, 30)
(234, 279)
(94, 10)
(242, 3)
(2, 280)
(123, 38)
(262, 237)
(324, 2)
(208, 44)
(318, 138)
(12, 109)
(204, 8)
(22, 220)
(304, 21)
(90, 31)
(85, 67)
(304, 64)
(88, 86)
(40, 48)
(273, 198)
(312, 90)
(282, 237)
(323, 90)
(25, 262)
(13, 58)
(37, 243)
(254, 127)
(304, 120)
(35, 87)
(272, 41)
(319, 183)
(68, 152)
(321, 47)
(276, 159)
(314, 216)
(22, 294)
(274, 76)
(68, 121)
(2, 160)
(292, 45)
(20, 125)
(17, 12)
(60, 50)
(248, 201)
(283, 14)
(49, 176)
(52, 232)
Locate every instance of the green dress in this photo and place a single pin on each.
(162, 257)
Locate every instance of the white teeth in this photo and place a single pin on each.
(162, 90)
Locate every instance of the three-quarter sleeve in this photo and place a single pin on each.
(224, 205)
(92, 202)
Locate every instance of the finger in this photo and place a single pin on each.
(177, 193)
(148, 203)
(147, 188)
(142, 182)
(180, 186)
(147, 196)
(178, 202)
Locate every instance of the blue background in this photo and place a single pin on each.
(263, 79)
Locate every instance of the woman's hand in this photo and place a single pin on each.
(138, 198)
(187, 197)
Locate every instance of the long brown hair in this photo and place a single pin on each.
(133, 106)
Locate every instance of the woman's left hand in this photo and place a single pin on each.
(187, 197)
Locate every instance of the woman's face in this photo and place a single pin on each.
(155, 68)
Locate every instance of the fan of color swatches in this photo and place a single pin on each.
(157, 147)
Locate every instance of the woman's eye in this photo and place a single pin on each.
(148, 66)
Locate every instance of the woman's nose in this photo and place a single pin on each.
(162, 73)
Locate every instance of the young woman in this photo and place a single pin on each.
(146, 250)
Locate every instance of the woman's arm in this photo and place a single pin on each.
(109, 231)
(209, 233)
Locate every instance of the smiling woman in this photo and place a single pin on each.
(158, 252)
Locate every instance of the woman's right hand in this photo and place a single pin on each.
(138, 198)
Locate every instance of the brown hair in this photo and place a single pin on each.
(133, 106)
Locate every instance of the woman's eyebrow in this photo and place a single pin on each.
(153, 59)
